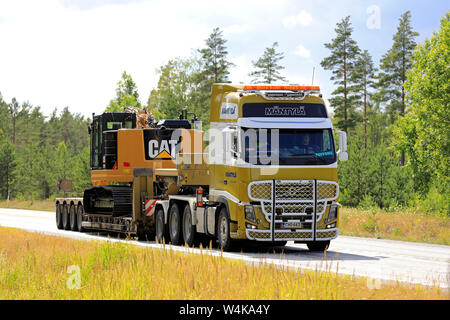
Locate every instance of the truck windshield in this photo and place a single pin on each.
(295, 146)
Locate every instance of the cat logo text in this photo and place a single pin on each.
(164, 149)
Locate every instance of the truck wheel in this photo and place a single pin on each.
(80, 212)
(160, 227)
(65, 217)
(318, 246)
(188, 228)
(223, 230)
(59, 223)
(175, 225)
(73, 218)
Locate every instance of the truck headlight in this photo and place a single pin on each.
(332, 215)
(250, 213)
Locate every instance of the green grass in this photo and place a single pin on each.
(407, 225)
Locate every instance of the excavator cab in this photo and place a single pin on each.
(103, 132)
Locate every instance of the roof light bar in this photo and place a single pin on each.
(277, 87)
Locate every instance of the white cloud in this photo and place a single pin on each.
(304, 18)
(58, 56)
(235, 29)
(243, 66)
(302, 51)
(55, 55)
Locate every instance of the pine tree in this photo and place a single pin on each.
(380, 173)
(7, 165)
(5, 121)
(214, 56)
(394, 65)
(126, 95)
(211, 67)
(364, 75)
(344, 52)
(14, 114)
(353, 174)
(267, 67)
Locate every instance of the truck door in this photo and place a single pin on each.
(231, 156)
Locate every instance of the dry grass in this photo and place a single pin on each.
(40, 205)
(406, 225)
(34, 266)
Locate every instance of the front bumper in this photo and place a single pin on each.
(288, 235)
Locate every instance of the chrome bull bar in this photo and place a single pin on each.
(302, 200)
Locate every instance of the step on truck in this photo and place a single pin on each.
(266, 171)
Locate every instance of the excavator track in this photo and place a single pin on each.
(115, 201)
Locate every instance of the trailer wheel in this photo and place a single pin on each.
(188, 228)
(59, 223)
(80, 211)
(73, 218)
(223, 230)
(175, 225)
(65, 217)
(160, 227)
(318, 246)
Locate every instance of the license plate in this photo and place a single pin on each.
(292, 224)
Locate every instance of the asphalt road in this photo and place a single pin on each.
(380, 260)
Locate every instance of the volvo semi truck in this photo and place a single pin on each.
(265, 171)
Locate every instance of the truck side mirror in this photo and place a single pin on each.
(342, 141)
(343, 156)
(231, 141)
(342, 152)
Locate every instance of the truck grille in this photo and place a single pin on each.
(260, 190)
(292, 190)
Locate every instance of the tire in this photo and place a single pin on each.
(59, 223)
(318, 246)
(175, 225)
(80, 211)
(187, 227)
(161, 232)
(223, 230)
(65, 217)
(73, 218)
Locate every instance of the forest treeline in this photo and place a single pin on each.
(396, 114)
(37, 152)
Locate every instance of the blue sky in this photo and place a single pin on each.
(71, 53)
